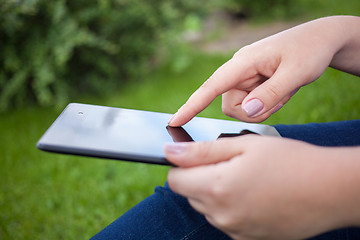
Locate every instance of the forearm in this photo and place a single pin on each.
(342, 170)
(347, 30)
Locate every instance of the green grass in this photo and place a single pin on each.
(51, 196)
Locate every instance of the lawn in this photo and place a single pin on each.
(51, 196)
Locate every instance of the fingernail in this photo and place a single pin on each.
(175, 148)
(253, 107)
(171, 119)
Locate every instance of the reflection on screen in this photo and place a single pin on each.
(179, 134)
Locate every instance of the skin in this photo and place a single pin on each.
(274, 68)
(256, 187)
(274, 193)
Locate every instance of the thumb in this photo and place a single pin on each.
(203, 153)
(264, 99)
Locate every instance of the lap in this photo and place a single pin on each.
(166, 215)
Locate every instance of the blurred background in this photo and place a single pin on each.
(141, 54)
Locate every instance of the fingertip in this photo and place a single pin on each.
(180, 118)
(170, 121)
(176, 153)
(177, 119)
(175, 149)
(176, 122)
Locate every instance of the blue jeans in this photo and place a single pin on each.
(166, 215)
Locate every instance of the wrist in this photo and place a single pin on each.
(347, 35)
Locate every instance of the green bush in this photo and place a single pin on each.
(54, 50)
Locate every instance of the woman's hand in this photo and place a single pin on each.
(262, 77)
(256, 187)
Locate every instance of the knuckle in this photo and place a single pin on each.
(241, 51)
(218, 191)
(230, 222)
(274, 90)
(223, 221)
(237, 54)
(233, 222)
(228, 110)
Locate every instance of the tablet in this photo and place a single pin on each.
(132, 135)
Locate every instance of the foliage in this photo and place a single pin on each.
(54, 50)
(261, 10)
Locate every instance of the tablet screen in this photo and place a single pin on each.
(134, 135)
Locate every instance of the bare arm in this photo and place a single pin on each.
(347, 59)
(262, 77)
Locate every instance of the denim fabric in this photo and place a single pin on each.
(163, 215)
(344, 133)
(166, 215)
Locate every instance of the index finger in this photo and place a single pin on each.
(222, 80)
